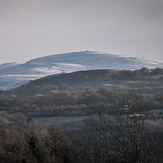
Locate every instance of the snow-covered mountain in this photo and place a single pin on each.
(13, 75)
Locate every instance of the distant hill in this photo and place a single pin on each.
(13, 75)
(143, 81)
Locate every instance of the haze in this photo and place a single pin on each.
(35, 28)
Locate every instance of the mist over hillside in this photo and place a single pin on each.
(13, 75)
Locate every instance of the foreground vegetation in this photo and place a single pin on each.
(103, 139)
(124, 137)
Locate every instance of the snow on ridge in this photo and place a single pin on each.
(59, 68)
(152, 62)
(19, 75)
(13, 75)
(72, 65)
(6, 65)
(45, 70)
(84, 57)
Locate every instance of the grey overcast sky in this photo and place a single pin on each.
(35, 28)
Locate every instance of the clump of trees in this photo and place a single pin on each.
(128, 137)
(35, 144)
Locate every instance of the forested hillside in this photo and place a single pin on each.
(143, 81)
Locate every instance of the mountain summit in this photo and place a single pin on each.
(14, 75)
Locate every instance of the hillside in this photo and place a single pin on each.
(13, 75)
(143, 81)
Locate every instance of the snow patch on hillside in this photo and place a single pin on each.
(13, 75)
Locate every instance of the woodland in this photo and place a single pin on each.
(118, 129)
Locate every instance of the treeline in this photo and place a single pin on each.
(14, 111)
(84, 102)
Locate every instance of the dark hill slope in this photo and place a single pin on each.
(141, 81)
